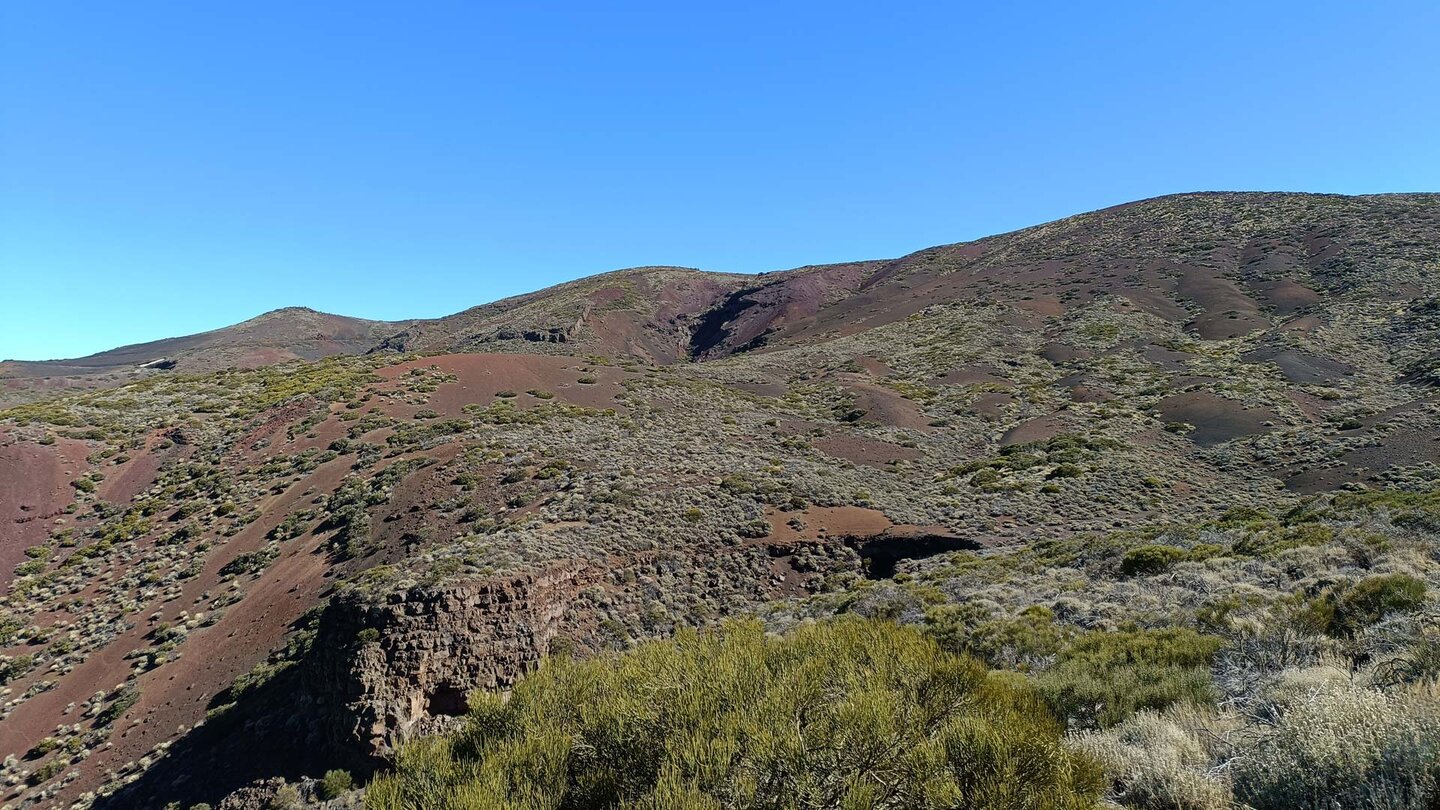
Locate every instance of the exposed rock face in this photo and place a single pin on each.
(358, 694)
(422, 651)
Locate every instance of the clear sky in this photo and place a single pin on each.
(171, 167)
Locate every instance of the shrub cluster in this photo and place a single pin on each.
(848, 713)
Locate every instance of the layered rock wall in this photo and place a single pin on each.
(414, 657)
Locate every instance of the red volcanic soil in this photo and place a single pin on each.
(991, 406)
(482, 376)
(263, 439)
(125, 481)
(885, 406)
(1401, 442)
(1156, 302)
(1046, 305)
(864, 450)
(1165, 358)
(179, 692)
(1312, 406)
(1300, 366)
(34, 491)
(1064, 353)
(1286, 295)
(1304, 325)
(1403, 447)
(1039, 429)
(1216, 419)
(873, 367)
(1229, 312)
(1085, 392)
(837, 521)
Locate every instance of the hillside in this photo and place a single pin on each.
(293, 333)
(303, 545)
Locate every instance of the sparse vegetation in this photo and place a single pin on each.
(1179, 565)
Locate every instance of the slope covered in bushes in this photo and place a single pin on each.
(847, 713)
(1269, 661)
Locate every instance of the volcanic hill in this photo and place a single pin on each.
(292, 544)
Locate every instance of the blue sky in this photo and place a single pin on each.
(170, 167)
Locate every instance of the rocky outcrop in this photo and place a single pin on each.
(406, 662)
(380, 670)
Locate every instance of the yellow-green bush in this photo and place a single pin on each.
(1150, 559)
(851, 713)
(1005, 642)
(1103, 678)
(1346, 609)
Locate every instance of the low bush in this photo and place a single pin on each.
(1103, 678)
(1017, 642)
(335, 783)
(1156, 763)
(1343, 746)
(121, 701)
(1150, 559)
(849, 713)
(1345, 610)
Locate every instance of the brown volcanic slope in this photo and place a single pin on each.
(647, 313)
(654, 314)
(293, 333)
(1220, 266)
(324, 557)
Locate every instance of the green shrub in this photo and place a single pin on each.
(122, 701)
(1344, 610)
(1267, 541)
(249, 562)
(1007, 642)
(45, 772)
(1103, 677)
(335, 784)
(849, 713)
(1151, 559)
(16, 667)
(287, 797)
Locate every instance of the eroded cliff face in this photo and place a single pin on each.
(378, 671)
(423, 650)
(382, 667)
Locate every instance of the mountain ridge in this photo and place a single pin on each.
(554, 317)
(302, 565)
